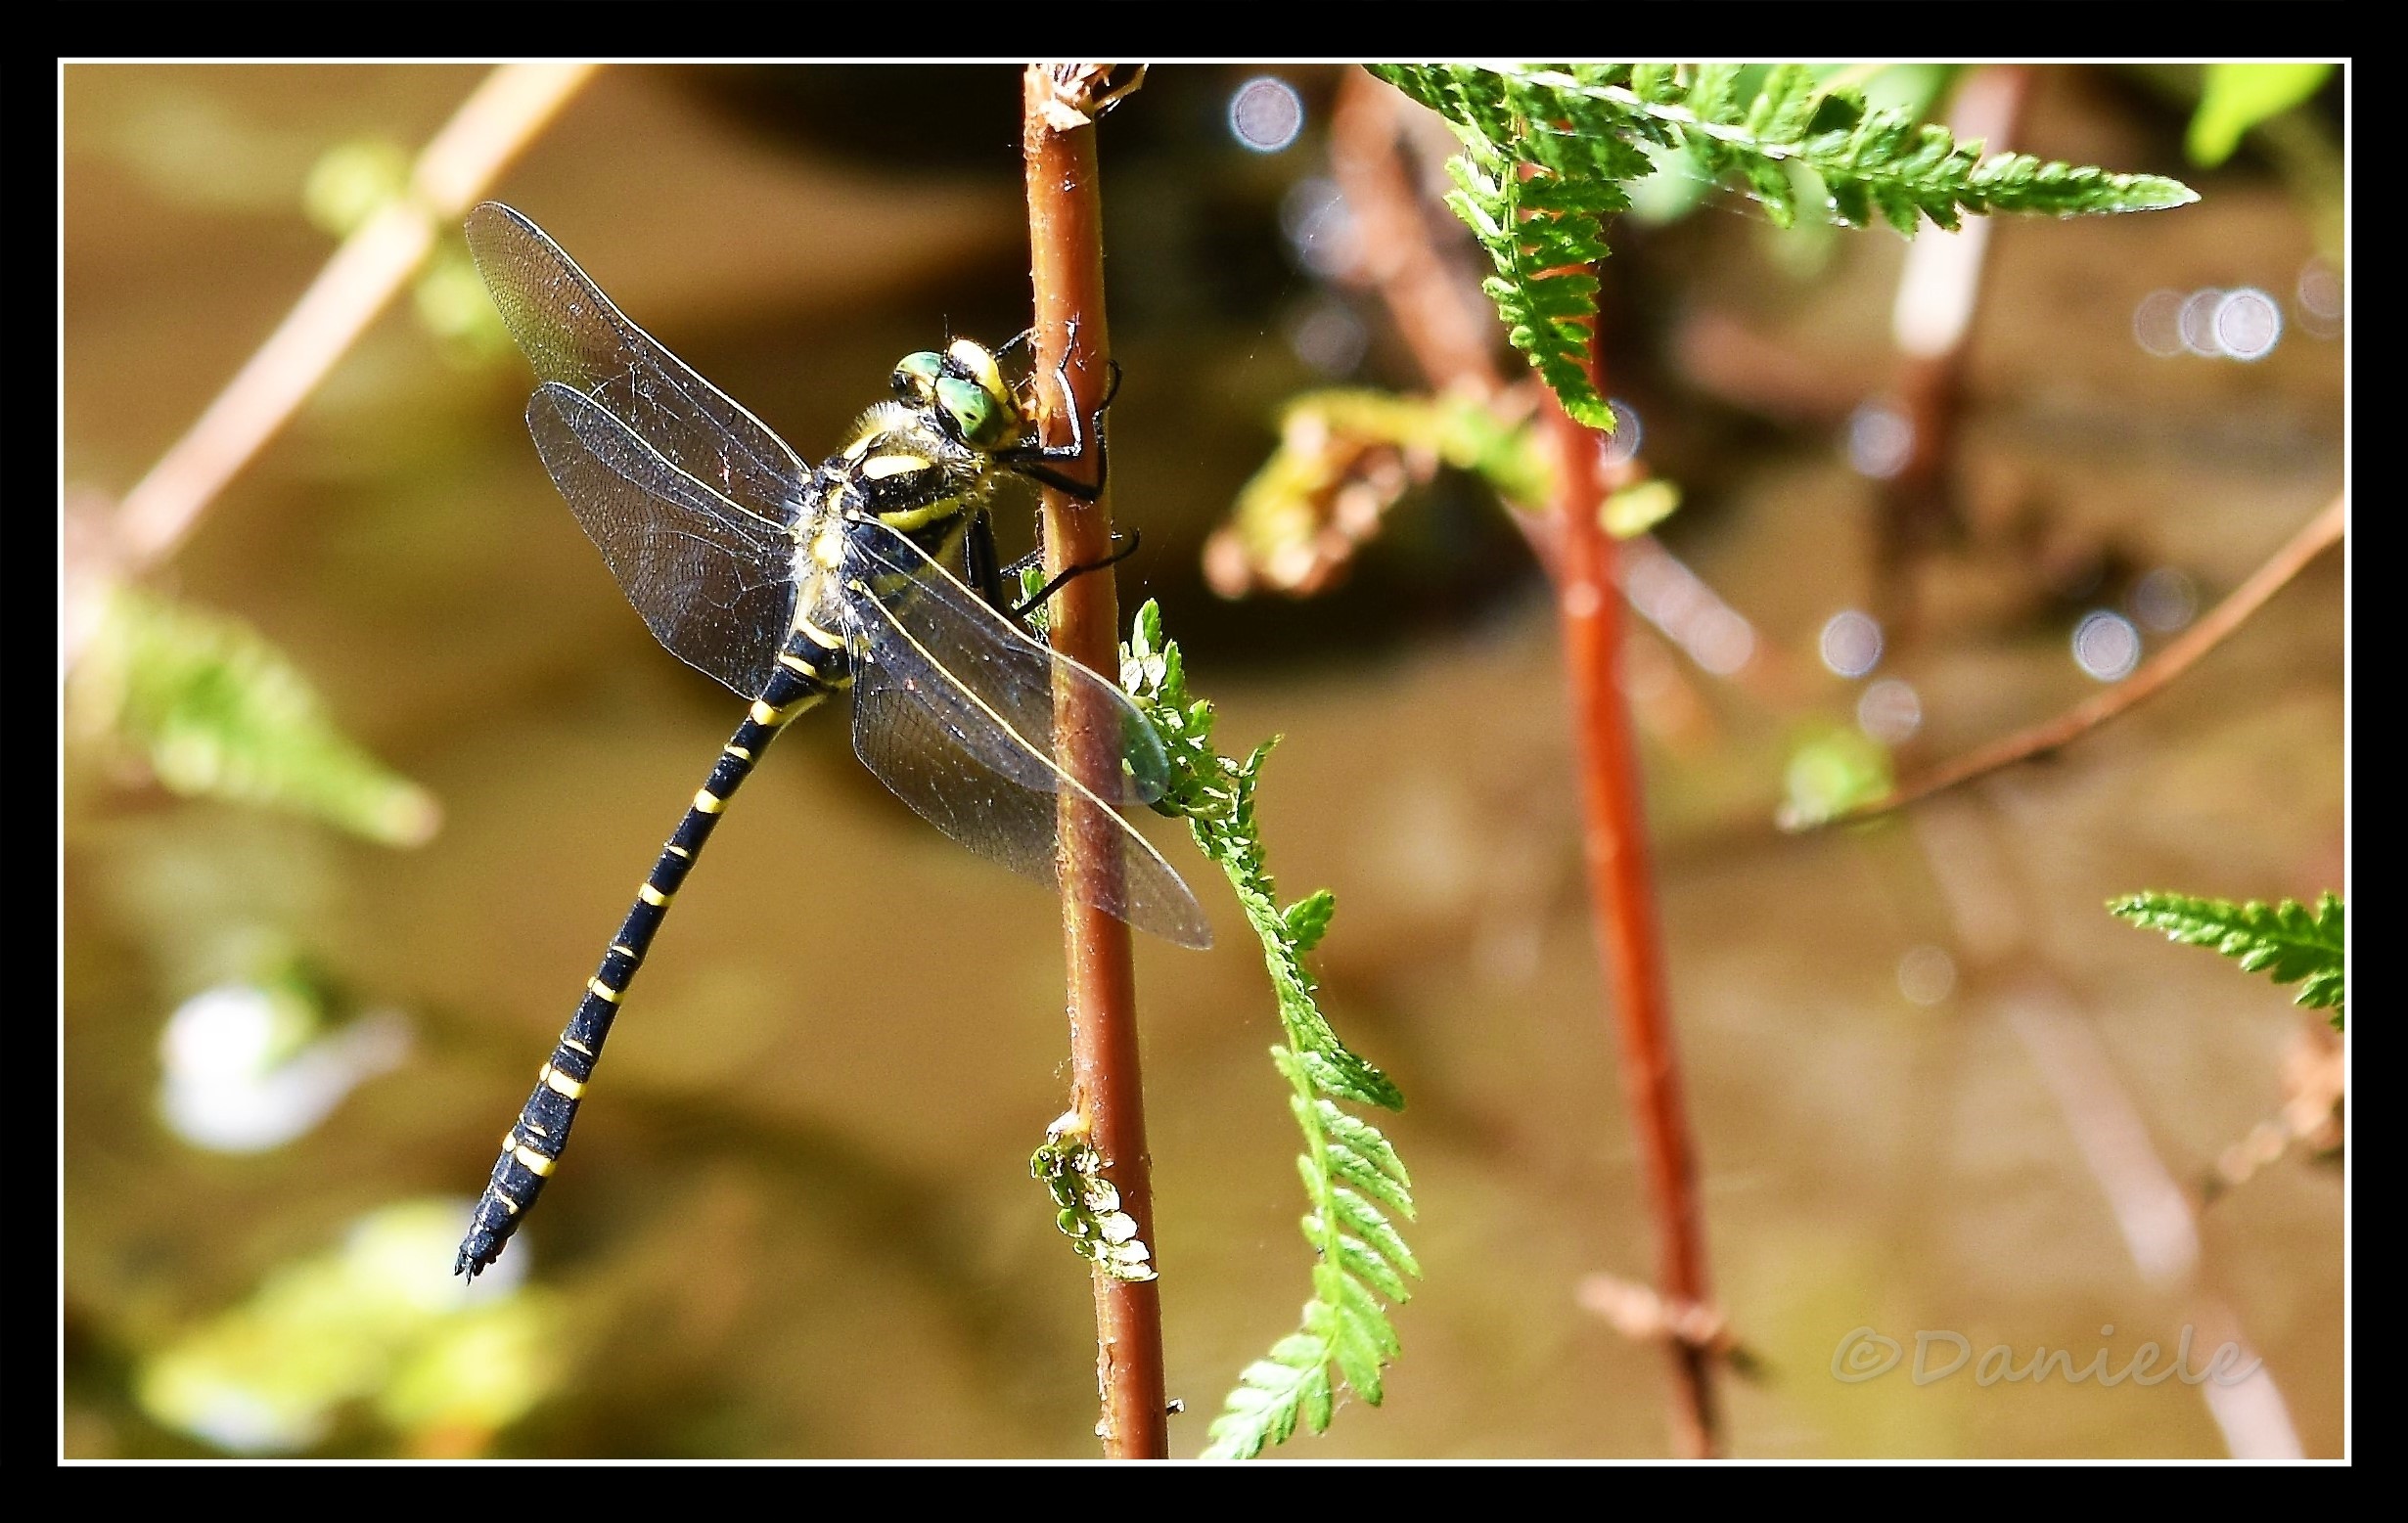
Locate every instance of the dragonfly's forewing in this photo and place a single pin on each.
(953, 710)
(574, 335)
(714, 583)
(999, 703)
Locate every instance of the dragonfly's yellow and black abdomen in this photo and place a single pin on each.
(806, 676)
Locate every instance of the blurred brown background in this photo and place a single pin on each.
(798, 1220)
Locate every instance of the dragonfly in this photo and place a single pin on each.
(792, 583)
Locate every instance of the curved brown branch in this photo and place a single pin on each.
(2008, 975)
(1939, 288)
(1441, 315)
(2179, 655)
(1067, 262)
(503, 112)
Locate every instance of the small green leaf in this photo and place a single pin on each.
(1308, 919)
(1831, 771)
(1263, 1377)
(1358, 1360)
(1342, 1074)
(1365, 1220)
(1640, 507)
(1358, 1260)
(1314, 1399)
(1361, 1137)
(1346, 1164)
(1299, 1350)
(1359, 1309)
(2233, 98)
(1090, 1216)
(353, 181)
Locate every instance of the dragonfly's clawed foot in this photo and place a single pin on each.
(1070, 574)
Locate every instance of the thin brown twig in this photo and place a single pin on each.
(505, 111)
(1623, 897)
(1441, 316)
(1067, 262)
(2156, 1218)
(1425, 299)
(2180, 654)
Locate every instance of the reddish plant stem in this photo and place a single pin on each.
(1623, 896)
(1067, 265)
(1581, 560)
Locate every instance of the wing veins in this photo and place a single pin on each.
(1147, 770)
(1043, 758)
(720, 501)
(712, 579)
(560, 319)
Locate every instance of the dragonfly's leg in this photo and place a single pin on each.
(1070, 574)
(982, 563)
(1031, 460)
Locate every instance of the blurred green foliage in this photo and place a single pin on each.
(372, 1328)
(214, 710)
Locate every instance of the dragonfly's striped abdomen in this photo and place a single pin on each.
(807, 673)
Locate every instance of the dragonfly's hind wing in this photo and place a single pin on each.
(713, 582)
(572, 335)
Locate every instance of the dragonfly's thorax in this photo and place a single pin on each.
(900, 469)
(901, 466)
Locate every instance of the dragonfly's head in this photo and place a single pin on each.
(964, 390)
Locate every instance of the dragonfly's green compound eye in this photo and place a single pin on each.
(914, 377)
(984, 418)
(965, 386)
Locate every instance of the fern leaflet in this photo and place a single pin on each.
(1548, 150)
(2288, 942)
(1353, 1181)
(214, 710)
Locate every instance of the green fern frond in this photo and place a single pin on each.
(1355, 1184)
(214, 710)
(1549, 149)
(2288, 942)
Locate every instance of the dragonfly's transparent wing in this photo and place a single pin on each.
(715, 583)
(971, 748)
(998, 704)
(574, 335)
